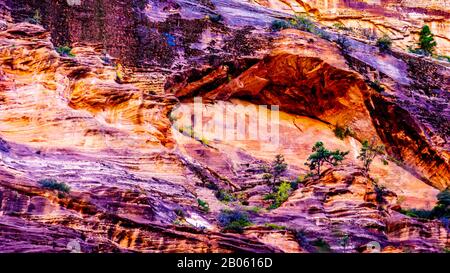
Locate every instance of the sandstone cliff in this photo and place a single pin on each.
(111, 120)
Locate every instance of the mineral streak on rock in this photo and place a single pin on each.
(110, 120)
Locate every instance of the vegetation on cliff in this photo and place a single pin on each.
(53, 184)
(369, 151)
(234, 220)
(426, 40)
(321, 156)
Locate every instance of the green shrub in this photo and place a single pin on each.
(417, 51)
(189, 131)
(65, 51)
(278, 25)
(215, 18)
(444, 197)
(341, 132)
(52, 184)
(344, 43)
(440, 211)
(380, 192)
(212, 186)
(303, 23)
(203, 205)
(321, 246)
(233, 220)
(255, 209)
(203, 140)
(442, 208)
(376, 85)
(384, 43)
(280, 195)
(36, 19)
(300, 22)
(443, 58)
(275, 226)
(178, 222)
(179, 212)
(340, 26)
(294, 184)
(269, 196)
(283, 193)
(369, 34)
(225, 196)
(418, 213)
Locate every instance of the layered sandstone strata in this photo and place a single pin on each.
(136, 178)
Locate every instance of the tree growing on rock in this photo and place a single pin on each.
(280, 189)
(440, 211)
(368, 152)
(442, 208)
(321, 156)
(274, 172)
(426, 40)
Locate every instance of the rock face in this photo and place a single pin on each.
(294, 77)
(113, 121)
(366, 19)
(344, 203)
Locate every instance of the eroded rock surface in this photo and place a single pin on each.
(113, 123)
(370, 18)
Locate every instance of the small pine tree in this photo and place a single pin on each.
(275, 171)
(368, 153)
(344, 241)
(321, 155)
(279, 166)
(426, 40)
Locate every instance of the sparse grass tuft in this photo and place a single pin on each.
(340, 26)
(36, 19)
(275, 226)
(256, 209)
